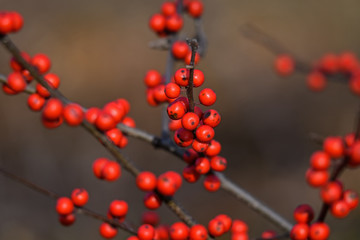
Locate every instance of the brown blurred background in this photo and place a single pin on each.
(100, 51)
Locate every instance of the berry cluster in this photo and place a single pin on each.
(10, 22)
(65, 206)
(169, 20)
(346, 64)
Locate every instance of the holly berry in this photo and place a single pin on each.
(198, 232)
(98, 166)
(107, 231)
(303, 213)
(239, 226)
(183, 137)
(174, 23)
(202, 165)
(180, 49)
(157, 23)
(64, 206)
(73, 114)
(226, 220)
(79, 197)
(67, 220)
(299, 231)
(205, 133)
(118, 208)
(53, 109)
(195, 8)
(334, 146)
(150, 217)
(41, 62)
(168, 8)
(35, 102)
(53, 81)
(146, 181)
(199, 146)
(152, 201)
(331, 192)
(190, 121)
(146, 232)
(216, 227)
(190, 174)
(172, 90)
(115, 135)
(16, 82)
(284, 65)
(212, 183)
(351, 198)
(319, 231)
(111, 171)
(181, 77)
(179, 231)
(176, 110)
(105, 121)
(213, 149)
(166, 185)
(340, 209)
(317, 178)
(92, 114)
(320, 160)
(207, 97)
(316, 81)
(198, 78)
(218, 163)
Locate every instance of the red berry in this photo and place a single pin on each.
(187, 59)
(53, 81)
(157, 23)
(176, 177)
(329, 63)
(128, 121)
(239, 236)
(207, 97)
(107, 231)
(190, 121)
(132, 238)
(67, 220)
(190, 155)
(152, 201)
(284, 65)
(198, 78)
(351, 198)
(183, 137)
(334, 146)
(199, 146)
(202, 165)
(73, 114)
(218, 163)
(52, 123)
(211, 117)
(53, 109)
(123, 142)
(17, 21)
(176, 110)
(41, 62)
(269, 234)
(80, 197)
(166, 185)
(162, 233)
(92, 114)
(16, 82)
(195, 8)
(180, 49)
(175, 124)
(216, 227)
(190, 174)
(168, 8)
(146, 181)
(331, 192)
(151, 218)
(226, 220)
(198, 232)
(6, 23)
(105, 121)
(316, 81)
(239, 226)
(121, 102)
(64, 206)
(319, 231)
(179, 231)
(174, 23)
(340, 209)
(299, 231)
(320, 160)
(115, 110)
(114, 135)
(317, 178)
(15, 65)
(303, 213)
(159, 93)
(35, 102)
(146, 232)
(348, 62)
(172, 90)
(118, 208)
(111, 171)
(205, 133)
(212, 183)
(7, 90)
(152, 78)
(213, 149)
(98, 166)
(181, 77)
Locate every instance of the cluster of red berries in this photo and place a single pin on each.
(65, 206)
(330, 64)
(169, 20)
(10, 22)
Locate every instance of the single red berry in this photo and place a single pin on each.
(152, 201)
(331, 192)
(284, 65)
(150, 97)
(157, 23)
(198, 78)
(190, 174)
(316, 81)
(218, 163)
(175, 124)
(146, 181)
(174, 23)
(80, 197)
(129, 122)
(151, 218)
(239, 226)
(105, 121)
(320, 160)
(17, 21)
(316, 178)
(168, 8)
(162, 233)
(198, 232)
(123, 142)
(205, 133)
(114, 135)
(6, 23)
(152, 78)
(303, 213)
(334, 146)
(115, 110)
(181, 77)
(172, 90)
(211, 117)
(216, 227)
(146, 232)
(351, 198)
(348, 62)
(64, 206)
(41, 62)
(212, 183)
(166, 185)
(226, 220)
(92, 114)
(52, 123)
(195, 8)
(111, 171)
(159, 93)
(187, 59)
(329, 63)
(213, 149)
(190, 155)
(53, 109)
(183, 137)
(199, 146)
(176, 110)
(340, 209)
(319, 231)
(118, 208)
(190, 121)
(16, 82)
(202, 165)
(207, 97)
(299, 231)
(179, 231)
(53, 81)
(35, 102)
(73, 114)
(176, 177)
(107, 231)
(180, 49)
(67, 220)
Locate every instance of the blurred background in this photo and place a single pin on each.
(100, 51)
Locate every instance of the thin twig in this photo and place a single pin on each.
(189, 90)
(124, 226)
